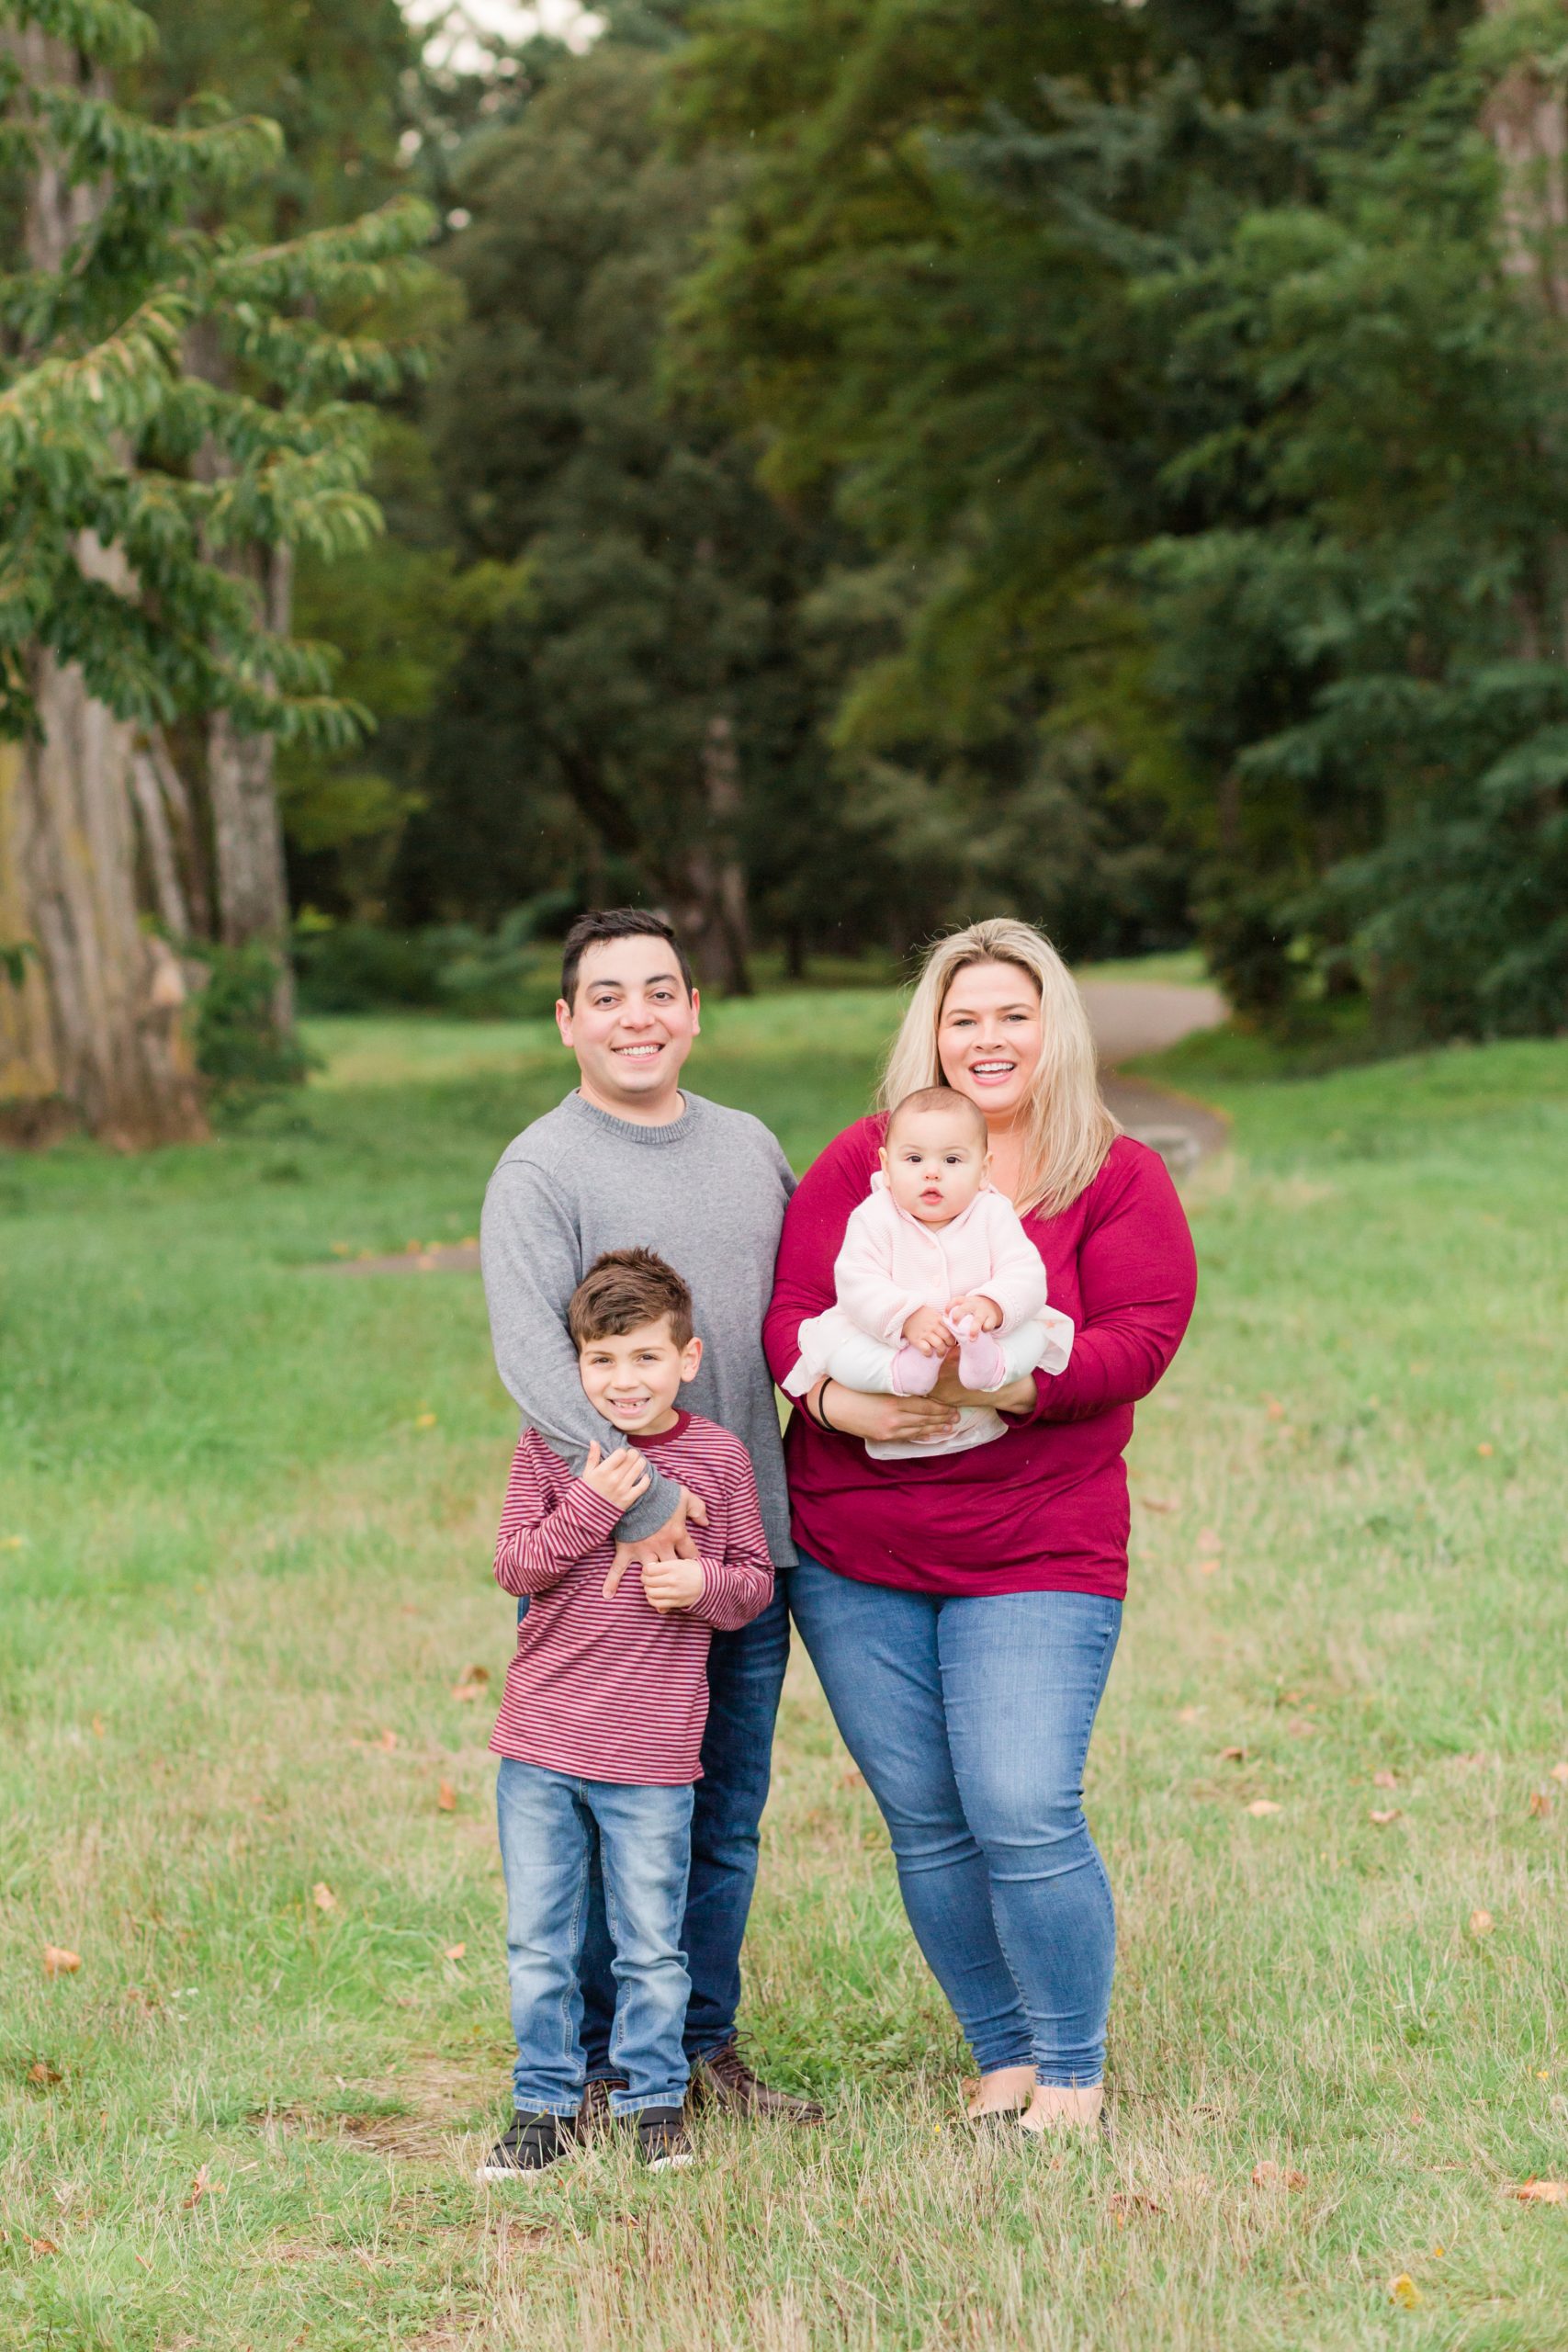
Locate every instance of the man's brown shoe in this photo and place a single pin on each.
(721, 2078)
(596, 2114)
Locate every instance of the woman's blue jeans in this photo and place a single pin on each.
(971, 1721)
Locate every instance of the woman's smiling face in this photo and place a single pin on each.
(988, 1037)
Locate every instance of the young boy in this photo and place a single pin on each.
(602, 1715)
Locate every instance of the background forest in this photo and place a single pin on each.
(844, 466)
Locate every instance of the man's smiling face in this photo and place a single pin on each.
(631, 1025)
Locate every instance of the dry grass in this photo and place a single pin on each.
(245, 1563)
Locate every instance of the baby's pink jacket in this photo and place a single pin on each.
(890, 1263)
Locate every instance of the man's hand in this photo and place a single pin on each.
(620, 1477)
(671, 1542)
(926, 1330)
(983, 1312)
(672, 1584)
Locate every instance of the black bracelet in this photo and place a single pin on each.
(821, 1416)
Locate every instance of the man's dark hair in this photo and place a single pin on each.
(622, 1291)
(614, 923)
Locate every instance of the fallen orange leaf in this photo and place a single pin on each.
(40, 2071)
(1232, 1755)
(1267, 2173)
(1483, 1449)
(58, 1962)
(1260, 1805)
(446, 1797)
(470, 1683)
(1383, 1781)
(1275, 1410)
(1189, 1714)
(1404, 2291)
(1542, 2192)
(42, 2245)
(322, 1896)
(203, 2185)
(1210, 1567)
(1560, 1772)
(1539, 1804)
(454, 1952)
(1482, 1923)
(424, 1420)
(1382, 1819)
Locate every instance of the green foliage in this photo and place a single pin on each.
(1169, 357)
(102, 419)
(241, 1051)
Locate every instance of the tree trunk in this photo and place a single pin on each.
(95, 1024)
(713, 901)
(247, 831)
(102, 1030)
(1526, 121)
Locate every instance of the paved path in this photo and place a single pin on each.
(1133, 1017)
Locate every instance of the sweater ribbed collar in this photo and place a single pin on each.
(634, 1131)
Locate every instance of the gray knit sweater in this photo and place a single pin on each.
(708, 1193)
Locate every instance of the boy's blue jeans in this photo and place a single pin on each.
(547, 1822)
(746, 1672)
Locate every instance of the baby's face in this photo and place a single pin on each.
(935, 1163)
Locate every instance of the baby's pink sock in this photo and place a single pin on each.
(980, 1361)
(914, 1374)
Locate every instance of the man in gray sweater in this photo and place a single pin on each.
(628, 1157)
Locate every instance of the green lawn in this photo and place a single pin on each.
(246, 1505)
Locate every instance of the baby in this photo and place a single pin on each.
(935, 1259)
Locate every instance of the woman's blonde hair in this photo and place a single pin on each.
(1067, 1130)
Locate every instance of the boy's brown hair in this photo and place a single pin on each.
(622, 1291)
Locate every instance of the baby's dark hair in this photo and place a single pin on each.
(622, 1291)
(939, 1098)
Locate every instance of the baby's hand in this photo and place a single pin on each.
(926, 1330)
(619, 1478)
(672, 1584)
(983, 1312)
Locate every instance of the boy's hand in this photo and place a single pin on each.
(671, 1584)
(672, 1540)
(926, 1330)
(983, 1312)
(619, 1478)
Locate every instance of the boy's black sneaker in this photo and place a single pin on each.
(528, 2144)
(662, 2139)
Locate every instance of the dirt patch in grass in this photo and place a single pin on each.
(415, 2116)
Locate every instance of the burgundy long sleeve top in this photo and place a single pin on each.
(1042, 1508)
(614, 1690)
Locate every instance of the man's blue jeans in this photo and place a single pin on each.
(971, 1721)
(547, 1822)
(746, 1672)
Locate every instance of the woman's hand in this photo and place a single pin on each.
(888, 1420)
(1018, 1397)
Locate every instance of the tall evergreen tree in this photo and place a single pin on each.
(121, 602)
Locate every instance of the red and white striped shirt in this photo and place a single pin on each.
(611, 1689)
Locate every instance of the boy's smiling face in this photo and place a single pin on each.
(634, 1377)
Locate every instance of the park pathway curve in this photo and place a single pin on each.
(1130, 1018)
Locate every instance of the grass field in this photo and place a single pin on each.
(246, 1505)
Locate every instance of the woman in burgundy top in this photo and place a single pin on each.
(962, 1610)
